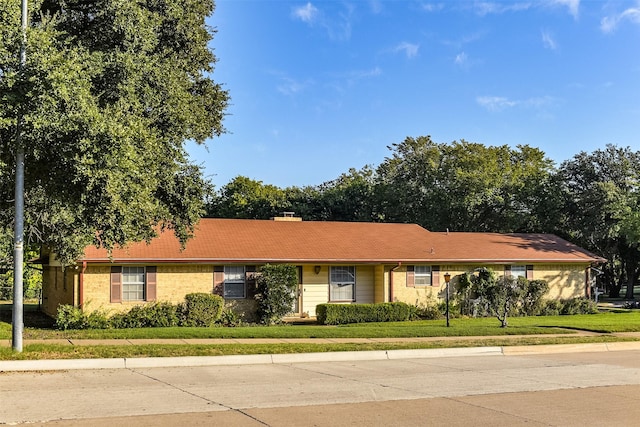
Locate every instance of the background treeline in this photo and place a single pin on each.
(592, 199)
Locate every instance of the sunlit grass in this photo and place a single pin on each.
(56, 351)
(484, 332)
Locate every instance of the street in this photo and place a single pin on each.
(548, 389)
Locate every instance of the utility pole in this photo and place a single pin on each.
(18, 232)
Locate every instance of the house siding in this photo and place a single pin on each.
(380, 284)
(57, 288)
(565, 280)
(365, 284)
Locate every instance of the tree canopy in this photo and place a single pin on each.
(601, 201)
(110, 93)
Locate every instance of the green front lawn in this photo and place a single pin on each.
(627, 321)
(486, 332)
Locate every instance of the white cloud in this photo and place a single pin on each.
(495, 103)
(374, 72)
(409, 49)
(432, 7)
(307, 13)
(608, 24)
(548, 40)
(487, 8)
(461, 59)
(499, 103)
(338, 28)
(289, 86)
(572, 5)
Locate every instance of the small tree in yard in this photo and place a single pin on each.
(276, 286)
(502, 295)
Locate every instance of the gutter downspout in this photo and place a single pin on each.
(81, 285)
(391, 280)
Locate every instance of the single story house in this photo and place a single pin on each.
(341, 262)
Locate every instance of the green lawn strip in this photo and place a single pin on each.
(56, 351)
(604, 323)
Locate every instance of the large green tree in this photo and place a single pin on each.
(110, 92)
(465, 186)
(601, 193)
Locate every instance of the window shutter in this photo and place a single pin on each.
(411, 278)
(435, 275)
(250, 280)
(218, 280)
(150, 284)
(529, 272)
(116, 284)
(507, 270)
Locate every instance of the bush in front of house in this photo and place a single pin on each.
(339, 314)
(276, 292)
(200, 309)
(568, 307)
(70, 317)
(154, 315)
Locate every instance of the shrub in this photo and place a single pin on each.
(578, 306)
(276, 292)
(533, 301)
(97, 320)
(568, 307)
(551, 308)
(337, 314)
(200, 309)
(429, 311)
(230, 318)
(70, 317)
(154, 315)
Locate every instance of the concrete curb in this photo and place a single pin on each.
(346, 356)
(251, 359)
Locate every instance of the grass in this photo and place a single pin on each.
(532, 331)
(56, 351)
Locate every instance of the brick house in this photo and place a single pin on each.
(342, 262)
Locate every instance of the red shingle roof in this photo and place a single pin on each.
(256, 241)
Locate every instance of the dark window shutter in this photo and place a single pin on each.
(250, 280)
(150, 283)
(529, 272)
(116, 284)
(218, 280)
(507, 270)
(435, 275)
(411, 278)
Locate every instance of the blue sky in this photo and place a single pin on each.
(318, 87)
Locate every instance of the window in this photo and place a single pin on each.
(519, 271)
(133, 283)
(422, 275)
(342, 284)
(234, 281)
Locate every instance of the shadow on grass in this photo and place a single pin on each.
(573, 328)
(32, 317)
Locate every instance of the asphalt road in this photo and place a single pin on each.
(555, 389)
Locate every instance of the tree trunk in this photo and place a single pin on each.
(631, 281)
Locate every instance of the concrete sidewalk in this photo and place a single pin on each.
(130, 363)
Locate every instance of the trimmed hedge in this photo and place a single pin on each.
(340, 314)
(200, 309)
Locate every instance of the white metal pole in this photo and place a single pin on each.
(18, 237)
